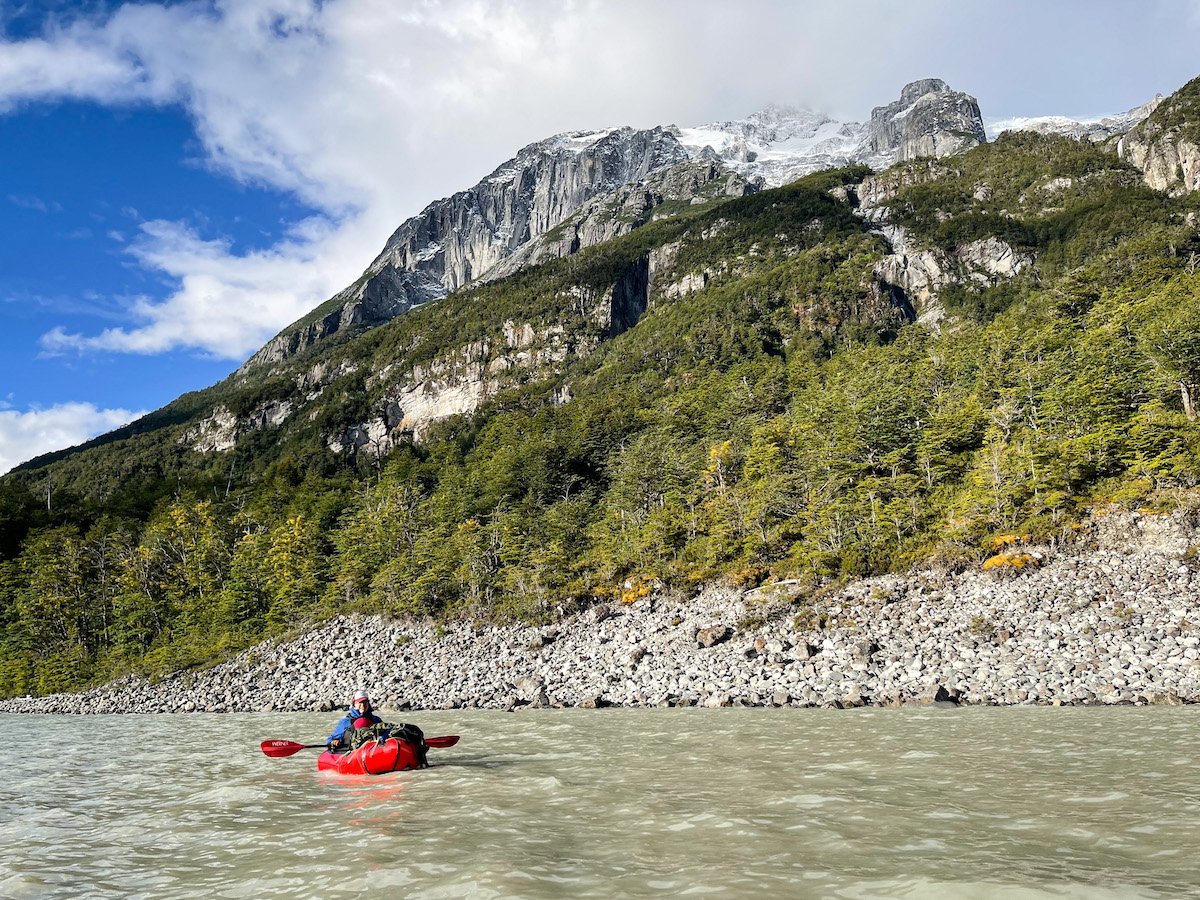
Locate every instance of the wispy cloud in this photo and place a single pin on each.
(24, 435)
(37, 204)
(364, 109)
(224, 304)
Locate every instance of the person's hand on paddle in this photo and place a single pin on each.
(335, 744)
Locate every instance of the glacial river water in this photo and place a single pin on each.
(919, 803)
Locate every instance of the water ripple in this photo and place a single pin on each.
(638, 803)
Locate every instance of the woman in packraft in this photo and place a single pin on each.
(360, 712)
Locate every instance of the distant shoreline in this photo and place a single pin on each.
(1112, 620)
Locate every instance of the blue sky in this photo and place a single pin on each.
(178, 181)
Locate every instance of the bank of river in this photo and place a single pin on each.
(1111, 619)
(933, 802)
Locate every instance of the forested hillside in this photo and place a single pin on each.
(772, 413)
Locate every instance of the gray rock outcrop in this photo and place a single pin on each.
(454, 240)
(621, 211)
(929, 119)
(460, 379)
(914, 278)
(1167, 152)
(378, 296)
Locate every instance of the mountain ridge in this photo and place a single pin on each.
(428, 256)
(462, 237)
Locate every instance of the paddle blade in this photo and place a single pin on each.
(284, 748)
(448, 740)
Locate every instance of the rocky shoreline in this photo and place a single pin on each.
(1113, 618)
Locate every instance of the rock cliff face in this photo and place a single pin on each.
(454, 240)
(458, 239)
(619, 212)
(911, 276)
(375, 298)
(914, 278)
(1166, 146)
(461, 379)
(573, 190)
(1170, 163)
(929, 119)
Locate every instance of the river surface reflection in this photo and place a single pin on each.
(800, 803)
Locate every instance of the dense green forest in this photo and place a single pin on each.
(785, 421)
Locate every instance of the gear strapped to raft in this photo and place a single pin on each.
(381, 731)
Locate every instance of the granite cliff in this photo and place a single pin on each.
(929, 119)
(456, 239)
(1166, 146)
(573, 190)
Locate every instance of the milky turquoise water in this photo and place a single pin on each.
(637, 803)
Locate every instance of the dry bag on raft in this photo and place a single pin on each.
(381, 731)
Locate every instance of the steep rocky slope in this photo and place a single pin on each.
(662, 193)
(572, 190)
(1166, 146)
(457, 239)
(929, 119)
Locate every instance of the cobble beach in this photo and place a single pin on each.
(1113, 618)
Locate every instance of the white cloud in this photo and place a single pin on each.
(369, 109)
(225, 304)
(70, 64)
(24, 435)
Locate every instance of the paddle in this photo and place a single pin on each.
(279, 749)
(285, 748)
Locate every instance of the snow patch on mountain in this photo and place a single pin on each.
(782, 143)
(1094, 128)
(777, 144)
(578, 141)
